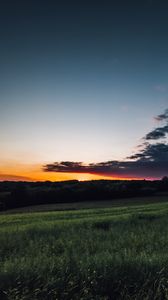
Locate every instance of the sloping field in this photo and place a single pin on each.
(90, 204)
(102, 253)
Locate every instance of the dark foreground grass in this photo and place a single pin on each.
(112, 253)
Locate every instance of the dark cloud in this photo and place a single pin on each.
(163, 116)
(159, 132)
(64, 166)
(154, 153)
(151, 160)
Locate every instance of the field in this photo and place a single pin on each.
(118, 252)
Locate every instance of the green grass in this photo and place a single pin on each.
(103, 253)
(89, 204)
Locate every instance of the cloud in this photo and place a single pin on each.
(162, 117)
(154, 153)
(150, 160)
(74, 167)
(161, 88)
(11, 177)
(159, 132)
(64, 166)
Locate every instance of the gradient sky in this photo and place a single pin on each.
(79, 81)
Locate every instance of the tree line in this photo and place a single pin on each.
(19, 194)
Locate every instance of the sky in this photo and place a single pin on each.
(83, 89)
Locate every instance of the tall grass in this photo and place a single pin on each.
(117, 253)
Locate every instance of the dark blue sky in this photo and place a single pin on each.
(80, 80)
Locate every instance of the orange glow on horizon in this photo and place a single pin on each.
(27, 172)
(49, 176)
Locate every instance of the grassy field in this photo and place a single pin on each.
(163, 197)
(118, 252)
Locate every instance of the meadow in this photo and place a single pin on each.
(118, 252)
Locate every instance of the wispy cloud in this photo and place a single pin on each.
(162, 117)
(11, 177)
(159, 132)
(161, 88)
